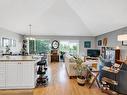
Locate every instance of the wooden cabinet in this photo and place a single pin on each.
(117, 55)
(54, 56)
(110, 81)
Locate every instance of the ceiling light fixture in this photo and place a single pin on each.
(30, 36)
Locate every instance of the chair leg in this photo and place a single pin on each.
(98, 83)
(95, 79)
(92, 82)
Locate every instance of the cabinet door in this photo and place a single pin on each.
(28, 74)
(20, 74)
(11, 74)
(2, 75)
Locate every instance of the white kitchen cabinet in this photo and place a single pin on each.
(11, 74)
(19, 75)
(17, 72)
(28, 74)
(2, 75)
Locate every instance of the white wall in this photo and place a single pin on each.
(11, 35)
(112, 40)
(82, 50)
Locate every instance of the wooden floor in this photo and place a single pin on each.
(59, 84)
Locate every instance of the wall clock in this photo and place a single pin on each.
(55, 44)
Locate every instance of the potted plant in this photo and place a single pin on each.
(81, 71)
(7, 50)
(24, 48)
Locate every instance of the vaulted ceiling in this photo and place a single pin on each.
(63, 17)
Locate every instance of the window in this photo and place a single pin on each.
(42, 46)
(32, 49)
(70, 47)
(6, 42)
(39, 46)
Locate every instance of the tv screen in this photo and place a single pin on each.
(93, 52)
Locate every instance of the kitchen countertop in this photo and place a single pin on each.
(19, 58)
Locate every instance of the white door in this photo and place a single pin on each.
(11, 74)
(28, 74)
(2, 75)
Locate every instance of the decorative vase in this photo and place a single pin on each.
(81, 81)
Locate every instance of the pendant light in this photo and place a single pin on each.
(30, 35)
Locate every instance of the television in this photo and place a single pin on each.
(93, 52)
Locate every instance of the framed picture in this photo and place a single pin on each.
(99, 42)
(87, 44)
(124, 43)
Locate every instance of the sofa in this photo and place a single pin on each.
(70, 64)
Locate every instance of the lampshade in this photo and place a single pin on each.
(122, 37)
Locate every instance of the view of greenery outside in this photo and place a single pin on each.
(31, 46)
(39, 46)
(42, 46)
(73, 50)
(69, 47)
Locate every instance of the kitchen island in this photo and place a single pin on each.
(18, 72)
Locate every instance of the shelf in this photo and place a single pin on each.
(41, 73)
(109, 81)
(42, 79)
(108, 69)
(110, 92)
